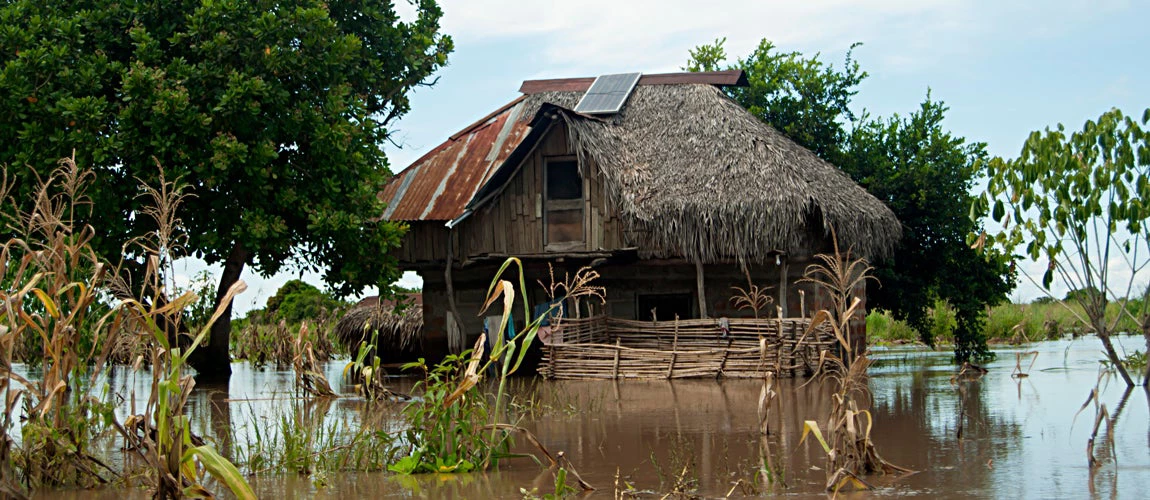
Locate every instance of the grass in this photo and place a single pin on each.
(303, 441)
(1005, 323)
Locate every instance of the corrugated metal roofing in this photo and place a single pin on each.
(438, 186)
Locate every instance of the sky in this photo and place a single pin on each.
(1005, 68)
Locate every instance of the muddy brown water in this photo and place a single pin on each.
(1020, 437)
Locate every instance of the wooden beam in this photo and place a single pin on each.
(783, 285)
(702, 290)
(455, 338)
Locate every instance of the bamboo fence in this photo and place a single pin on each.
(611, 348)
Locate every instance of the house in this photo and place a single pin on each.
(674, 198)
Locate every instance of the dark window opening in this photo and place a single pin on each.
(666, 306)
(564, 206)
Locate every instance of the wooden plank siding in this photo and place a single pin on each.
(512, 223)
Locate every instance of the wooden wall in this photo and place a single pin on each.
(513, 223)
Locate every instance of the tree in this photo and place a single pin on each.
(296, 301)
(913, 164)
(1079, 203)
(802, 97)
(273, 112)
(925, 174)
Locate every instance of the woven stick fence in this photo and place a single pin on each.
(610, 348)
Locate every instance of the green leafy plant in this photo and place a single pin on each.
(1077, 202)
(923, 172)
(456, 427)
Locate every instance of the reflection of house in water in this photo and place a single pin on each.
(669, 189)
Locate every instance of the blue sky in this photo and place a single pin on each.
(1004, 68)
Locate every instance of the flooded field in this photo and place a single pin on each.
(997, 436)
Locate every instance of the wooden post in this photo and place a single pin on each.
(617, 349)
(783, 284)
(780, 343)
(674, 349)
(702, 291)
(802, 304)
(455, 336)
(726, 353)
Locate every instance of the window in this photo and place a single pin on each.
(666, 306)
(564, 202)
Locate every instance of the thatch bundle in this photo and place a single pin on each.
(706, 180)
(396, 332)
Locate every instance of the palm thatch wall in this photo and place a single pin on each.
(396, 332)
(708, 181)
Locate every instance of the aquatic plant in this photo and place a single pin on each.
(302, 441)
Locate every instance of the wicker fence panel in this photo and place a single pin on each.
(604, 347)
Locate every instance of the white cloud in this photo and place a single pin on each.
(594, 36)
(655, 35)
(410, 280)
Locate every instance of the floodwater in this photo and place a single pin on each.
(1020, 437)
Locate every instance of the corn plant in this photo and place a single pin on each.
(161, 436)
(51, 286)
(50, 280)
(850, 452)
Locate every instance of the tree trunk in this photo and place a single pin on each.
(1146, 335)
(1115, 360)
(211, 359)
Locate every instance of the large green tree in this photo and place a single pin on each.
(273, 112)
(923, 172)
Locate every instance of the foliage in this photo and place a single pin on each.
(264, 344)
(882, 326)
(448, 432)
(296, 301)
(1077, 202)
(803, 97)
(274, 112)
(199, 312)
(51, 281)
(268, 335)
(455, 427)
(921, 171)
(924, 174)
(942, 321)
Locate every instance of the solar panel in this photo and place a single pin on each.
(607, 94)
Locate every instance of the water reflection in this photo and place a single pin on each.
(1019, 437)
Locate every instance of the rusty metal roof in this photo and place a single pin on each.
(439, 185)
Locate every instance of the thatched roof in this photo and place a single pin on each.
(398, 329)
(705, 179)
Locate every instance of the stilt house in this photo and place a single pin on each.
(668, 188)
